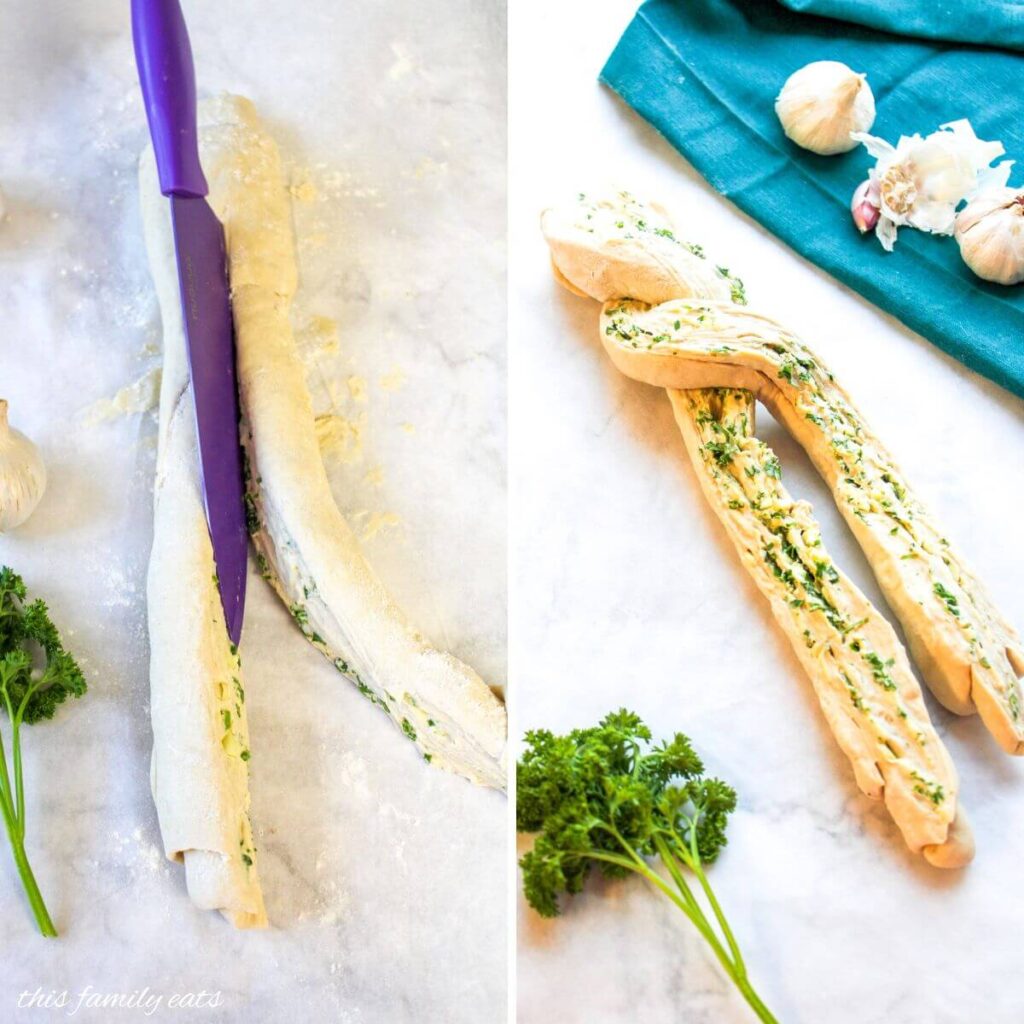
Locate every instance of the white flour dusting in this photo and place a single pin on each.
(140, 396)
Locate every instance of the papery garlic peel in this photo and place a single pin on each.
(822, 103)
(22, 474)
(990, 233)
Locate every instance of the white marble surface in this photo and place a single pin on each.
(624, 590)
(384, 880)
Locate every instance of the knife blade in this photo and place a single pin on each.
(167, 76)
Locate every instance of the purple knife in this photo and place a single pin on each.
(164, 59)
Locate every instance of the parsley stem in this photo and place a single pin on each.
(12, 807)
(685, 901)
(699, 918)
(28, 880)
(641, 867)
(709, 893)
(754, 1001)
(734, 966)
(19, 787)
(5, 781)
(673, 869)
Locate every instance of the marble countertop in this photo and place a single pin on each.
(625, 591)
(385, 881)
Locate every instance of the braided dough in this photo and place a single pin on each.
(680, 331)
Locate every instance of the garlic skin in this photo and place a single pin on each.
(22, 474)
(822, 103)
(990, 233)
(922, 180)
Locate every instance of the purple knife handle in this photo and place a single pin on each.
(164, 59)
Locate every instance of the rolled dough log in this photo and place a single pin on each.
(199, 770)
(305, 548)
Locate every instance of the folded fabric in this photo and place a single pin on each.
(706, 73)
(963, 21)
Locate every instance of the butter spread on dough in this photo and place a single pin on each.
(200, 756)
(305, 548)
(858, 667)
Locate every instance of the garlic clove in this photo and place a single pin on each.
(22, 474)
(922, 180)
(821, 104)
(864, 206)
(990, 233)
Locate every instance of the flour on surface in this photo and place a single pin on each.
(341, 438)
(393, 380)
(141, 395)
(317, 338)
(357, 388)
(403, 64)
(304, 191)
(373, 523)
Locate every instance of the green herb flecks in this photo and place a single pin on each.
(880, 670)
(950, 600)
(933, 791)
(252, 516)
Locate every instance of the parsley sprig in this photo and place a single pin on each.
(606, 797)
(36, 675)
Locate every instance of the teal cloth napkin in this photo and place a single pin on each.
(990, 22)
(706, 73)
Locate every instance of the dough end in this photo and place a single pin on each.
(958, 849)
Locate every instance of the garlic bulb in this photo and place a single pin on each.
(919, 182)
(22, 474)
(822, 103)
(990, 233)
